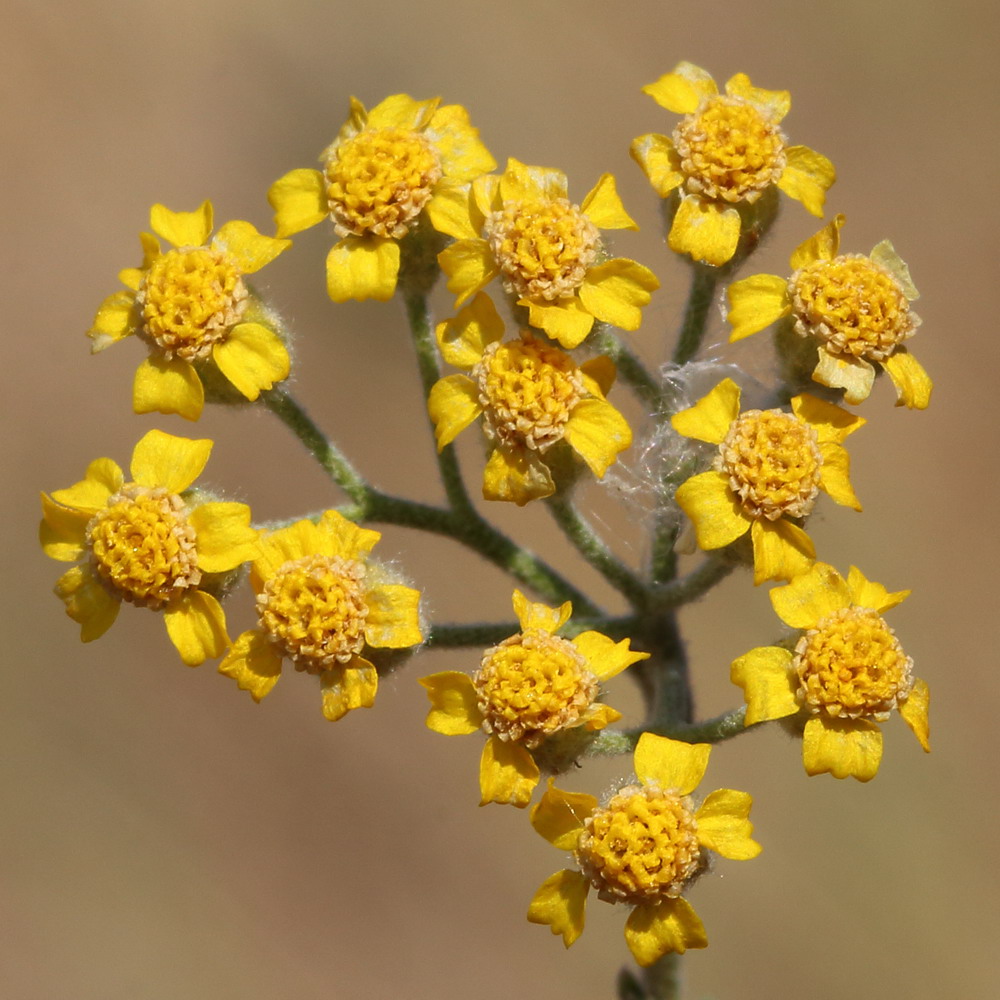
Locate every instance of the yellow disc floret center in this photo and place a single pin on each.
(730, 150)
(378, 181)
(143, 547)
(527, 390)
(852, 666)
(852, 305)
(189, 300)
(532, 685)
(642, 847)
(313, 609)
(773, 463)
(543, 249)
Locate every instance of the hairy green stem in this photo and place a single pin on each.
(704, 280)
(631, 369)
(614, 743)
(688, 588)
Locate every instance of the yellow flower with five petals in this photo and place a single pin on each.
(383, 170)
(546, 250)
(767, 474)
(323, 604)
(191, 306)
(644, 847)
(149, 542)
(727, 151)
(532, 397)
(855, 309)
(529, 688)
(847, 673)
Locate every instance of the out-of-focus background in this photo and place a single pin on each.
(161, 836)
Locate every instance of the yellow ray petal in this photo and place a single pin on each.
(842, 747)
(450, 211)
(617, 291)
(362, 268)
(597, 432)
(470, 267)
(755, 303)
(834, 475)
(454, 709)
(532, 614)
(823, 245)
(453, 404)
(653, 930)
(102, 478)
(225, 538)
(507, 773)
(711, 417)
(561, 903)
(196, 625)
(253, 358)
(605, 657)
(516, 476)
(724, 825)
(811, 597)
(160, 459)
(707, 231)
(599, 716)
(914, 712)
(854, 375)
(659, 161)
(866, 593)
(168, 386)
(298, 200)
(768, 682)
(402, 111)
(566, 320)
(599, 375)
(683, 89)
(393, 617)
(249, 249)
(339, 536)
(781, 550)
(560, 817)
(465, 336)
(829, 421)
(524, 183)
(807, 177)
(62, 531)
(884, 254)
(183, 229)
(713, 508)
(604, 208)
(913, 384)
(347, 688)
(463, 155)
(87, 602)
(253, 663)
(114, 321)
(671, 764)
(774, 103)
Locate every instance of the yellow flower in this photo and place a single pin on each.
(727, 151)
(847, 673)
(530, 395)
(528, 688)
(642, 848)
(546, 250)
(855, 309)
(384, 168)
(148, 542)
(321, 602)
(189, 305)
(767, 474)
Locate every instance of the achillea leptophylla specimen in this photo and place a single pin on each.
(322, 603)
(643, 848)
(855, 309)
(190, 306)
(726, 152)
(531, 396)
(379, 175)
(527, 689)
(148, 542)
(766, 476)
(847, 673)
(546, 250)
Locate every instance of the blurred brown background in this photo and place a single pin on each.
(162, 836)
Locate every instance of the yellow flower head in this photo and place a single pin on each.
(767, 474)
(148, 542)
(643, 848)
(529, 687)
(379, 175)
(322, 603)
(546, 250)
(847, 673)
(727, 151)
(531, 396)
(191, 306)
(855, 309)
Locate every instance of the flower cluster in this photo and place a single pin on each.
(412, 195)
